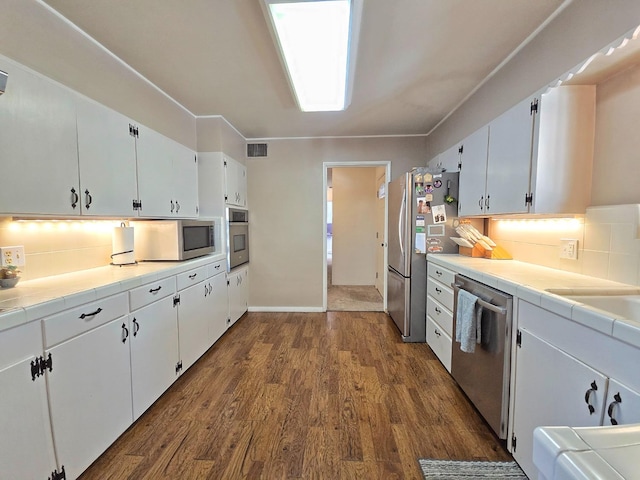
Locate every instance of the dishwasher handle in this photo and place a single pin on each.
(487, 305)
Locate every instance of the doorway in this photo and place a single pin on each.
(355, 261)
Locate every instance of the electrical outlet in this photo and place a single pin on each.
(12, 256)
(569, 248)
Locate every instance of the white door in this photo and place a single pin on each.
(107, 156)
(238, 293)
(90, 394)
(449, 159)
(185, 177)
(622, 405)
(26, 446)
(38, 147)
(155, 174)
(473, 173)
(193, 323)
(154, 352)
(509, 164)
(552, 388)
(380, 217)
(218, 307)
(235, 182)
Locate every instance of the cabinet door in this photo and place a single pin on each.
(622, 405)
(509, 164)
(473, 173)
(552, 388)
(107, 156)
(218, 307)
(185, 176)
(450, 158)
(154, 352)
(38, 147)
(235, 182)
(193, 323)
(155, 174)
(90, 394)
(238, 293)
(26, 446)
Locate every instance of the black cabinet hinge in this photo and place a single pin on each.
(176, 300)
(133, 131)
(459, 165)
(519, 338)
(528, 199)
(137, 204)
(534, 106)
(225, 163)
(58, 475)
(513, 443)
(40, 365)
(228, 282)
(461, 149)
(178, 367)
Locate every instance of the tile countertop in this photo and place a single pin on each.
(35, 299)
(541, 286)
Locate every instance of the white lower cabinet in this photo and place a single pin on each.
(193, 323)
(154, 352)
(440, 303)
(218, 307)
(622, 405)
(552, 388)
(90, 393)
(26, 444)
(238, 287)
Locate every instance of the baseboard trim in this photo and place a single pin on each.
(287, 309)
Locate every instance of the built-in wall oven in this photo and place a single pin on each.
(237, 237)
(484, 375)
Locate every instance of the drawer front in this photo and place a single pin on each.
(440, 292)
(152, 292)
(20, 343)
(191, 277)
(439, 342)
(440, 315)
(215, 268)
(71, 323)
(441, 274)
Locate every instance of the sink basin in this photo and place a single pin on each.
(625, 306)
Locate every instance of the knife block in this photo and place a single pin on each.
(476, 251)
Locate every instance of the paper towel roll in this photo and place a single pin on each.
(122, 246)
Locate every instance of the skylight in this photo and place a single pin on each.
(314, 40)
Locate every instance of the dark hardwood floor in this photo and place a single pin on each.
(314, 396)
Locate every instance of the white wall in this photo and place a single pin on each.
(354, 226)
(286, 202)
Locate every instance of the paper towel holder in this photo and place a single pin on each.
(122, 225)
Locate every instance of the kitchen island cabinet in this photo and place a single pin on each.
(26, 443)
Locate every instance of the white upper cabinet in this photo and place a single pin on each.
(167, 176)
(235, 175)
(107, 158)
(38, 147)
(473, 173)
(450, 159)
(539, 159)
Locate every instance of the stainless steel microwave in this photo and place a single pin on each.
(173, 239)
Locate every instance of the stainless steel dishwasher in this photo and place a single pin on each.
(484, 374)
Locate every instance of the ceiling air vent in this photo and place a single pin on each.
(256, 149)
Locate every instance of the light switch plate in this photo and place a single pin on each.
(12, 256)
(569, 248)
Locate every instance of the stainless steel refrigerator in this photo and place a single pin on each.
(422, 210)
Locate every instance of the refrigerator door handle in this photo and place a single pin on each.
(403, 206)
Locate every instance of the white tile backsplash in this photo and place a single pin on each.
(608, 242)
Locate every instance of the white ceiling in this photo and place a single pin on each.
(417, 59)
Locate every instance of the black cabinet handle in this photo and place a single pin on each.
(88, 199)
(177, 206)
(437, 332)
(74, 198)
(193, 276)
(438, 311)
(92, 314)
(210, 289)
(136, 327)
(172, 206)
(587, 397)
(206, 291)
(125, 333)
(438, 273)
(480, 202)
(617, 399)
(155, 290)
(438, 290)
(486, 202)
